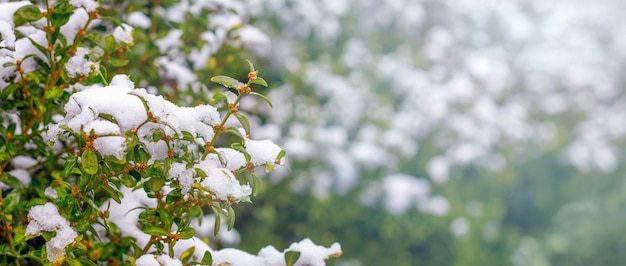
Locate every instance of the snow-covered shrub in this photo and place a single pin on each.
(95, 170)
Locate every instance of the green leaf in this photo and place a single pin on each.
(231, 218)
(90, 162)
(69, 166)
(63, 7)
(260, 81)
(227, 81)
(27, 13)
(4, 156)
(166, 217)
(263, 97)
(114, 194)
(251, 66)
(187, 233)
(291, 257)
(256, 184)
(240, 148)
(42, 64)
(142, 155)
(187, 254)
(281, 154)
(188, 136)
(11, 202)
(53, 93)
(235, 132)
(59, 19)
(269, 167)
(216, 225)
(109, 44)
(200, 172)
(108, 117)
(244, 122)
(118, 62)
(207, 259)
(19, 234)
(112, 19)
(128, 181)
(38, 46)
(154, 184)
(72, 262)
(8, 90)
(85, 261)
(155, 231)
(158, 135)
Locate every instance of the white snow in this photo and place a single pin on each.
(89, 5)
(223, 183)
(311, 254)
(79, 64)
(185, 176)
(123, 33)
(139, 19)
(163, 260)
(46, 218)
(402, 191)
(8, 36)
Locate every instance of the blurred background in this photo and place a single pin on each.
(433, 132)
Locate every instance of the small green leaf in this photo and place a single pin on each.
(27, 13)
(231, 218)
(260, 81)
(38, 46)
(85, 261)
(63, 7)
(90, 162)
(187, 254)
(227, 81)
(251, 66)
(128, 181)
(256, 184)
(142, 154)
(8, 90)
(235, 132)
(166, 217)
(244, 122)
(291, 257)
(263, 97)
(187, 233)
(11, 202)
(200, 172)
(116, 21)
(158, 135)
(53, 93)
(19, 234)
(114, 194)
(155, 231)
(188, 136)
(118, 62)
(59, 19)
(4, 156)
(72, 262)
(280, 155)
(216, 225)
(109, 44)
(154, 184)
(108, 117)
(207, 259)
(269, 167)
(240, 148)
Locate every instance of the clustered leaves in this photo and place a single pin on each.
(68, 167)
